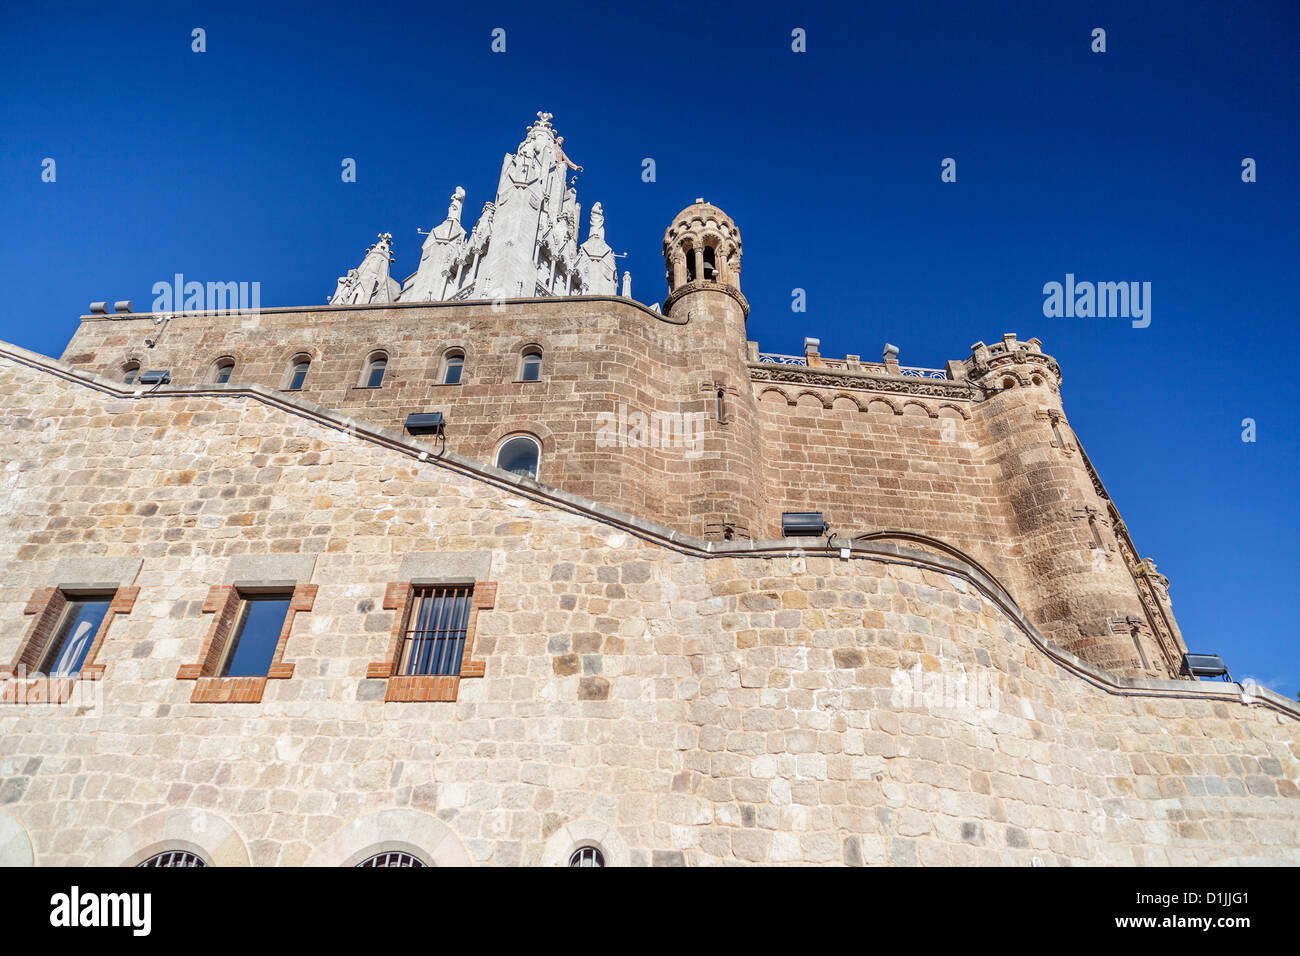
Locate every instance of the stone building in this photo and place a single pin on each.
(254, 612)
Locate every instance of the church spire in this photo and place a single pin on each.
(525, 243)
(370, 281)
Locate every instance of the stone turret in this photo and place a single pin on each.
(1076, 583)
(702, 254)
(702, 250)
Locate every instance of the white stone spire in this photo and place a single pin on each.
(440, 257)
(526, 242)
(369, 282)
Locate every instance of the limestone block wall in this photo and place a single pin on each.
(669, 705)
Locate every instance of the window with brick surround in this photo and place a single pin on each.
(432, 638)
(255, 635)
(246, 641)
(67, 649)
(63, 641)
(435, 631)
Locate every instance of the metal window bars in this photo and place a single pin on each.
(174, 858)
(587, 856)
(435, 633)
(393, 858)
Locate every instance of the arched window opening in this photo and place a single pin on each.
(225, 368)
(393, 859)
(452, 367)
(1008, 383)
(174, 858)
(130, 373)
(530, 364)
(587, 856)
(298, 373)
(520, 455)
(690, 265)
(710, 266)
(376, 367)
(722, 407)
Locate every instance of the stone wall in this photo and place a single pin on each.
(957, 467)
(671, 704)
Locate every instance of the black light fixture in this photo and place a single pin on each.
(155, 376)
(426, 423)
(1205, 665)
(796, 524)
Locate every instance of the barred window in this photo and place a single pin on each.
(174, 858)
(587, 856)
(392, 859)
(435, 631)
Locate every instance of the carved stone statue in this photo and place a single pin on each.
(597, 228)
(562, 157)
(457, 200)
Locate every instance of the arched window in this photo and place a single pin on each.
(376, 366)
(224, 369)
(452, 367)
(710, 267)
(587, 856)
(130, 372)
(298, 373)
(530, 364)
(520, 455)
(722, 407)
(393, 858)
(174, 858)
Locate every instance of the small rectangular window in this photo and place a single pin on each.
(256, 634)
(435, 631)
(72, 639)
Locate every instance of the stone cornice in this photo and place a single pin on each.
(892, 547)
(703, 285)
(864, 381)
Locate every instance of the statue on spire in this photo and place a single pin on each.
(560, 155)
(457, 200)
(525, 242)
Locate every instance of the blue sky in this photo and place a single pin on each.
(1125, 165)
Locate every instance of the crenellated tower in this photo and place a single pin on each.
(1078, 566)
